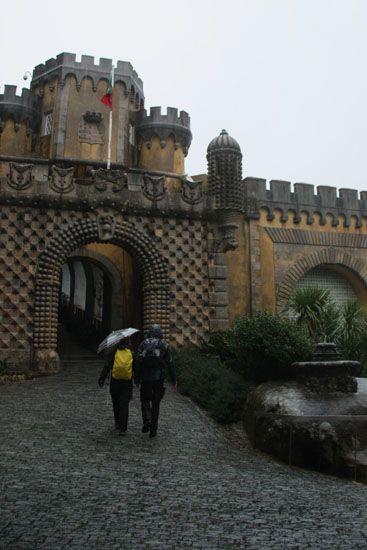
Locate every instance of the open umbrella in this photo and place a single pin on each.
(115, 336)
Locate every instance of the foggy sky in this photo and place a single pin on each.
(286, 78)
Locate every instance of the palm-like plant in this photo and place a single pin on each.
(346, 325)
(313, 307)
(352, 333)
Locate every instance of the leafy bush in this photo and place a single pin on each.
(219, 343)
(206, 380)
(4, 367)
(265, 345)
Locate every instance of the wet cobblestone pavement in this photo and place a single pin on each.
(69, 481)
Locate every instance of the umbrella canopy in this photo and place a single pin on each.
(115, 336)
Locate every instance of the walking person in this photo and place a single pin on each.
(153, 358)
(120, 365)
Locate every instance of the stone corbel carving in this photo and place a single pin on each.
(62, 179)
(20, 176)
(102, 178)
(228, 225)
(153, 187)
(106, 224)
(192, 191)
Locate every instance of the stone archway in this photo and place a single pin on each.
(151, 265)
(326, 256)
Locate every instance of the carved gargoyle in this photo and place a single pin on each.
(62, 179)
(153, 187)
(20, 176)
(106, 224)
(191, 191)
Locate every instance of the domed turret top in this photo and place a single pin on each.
(223, 142)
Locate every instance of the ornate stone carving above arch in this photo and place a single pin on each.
(329, 256)
(149, 262)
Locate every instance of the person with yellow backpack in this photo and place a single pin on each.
(120, 364)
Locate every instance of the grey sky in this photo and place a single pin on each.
(286, 78)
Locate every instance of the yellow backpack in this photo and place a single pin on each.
(123, 365)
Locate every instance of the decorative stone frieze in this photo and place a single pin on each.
(114, 180)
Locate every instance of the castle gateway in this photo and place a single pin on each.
(85, 250)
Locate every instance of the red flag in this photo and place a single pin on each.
(107, 98)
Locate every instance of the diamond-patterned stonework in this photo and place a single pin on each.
(170, 253)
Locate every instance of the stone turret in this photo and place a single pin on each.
(225, 185)
(225, 172)
(19, 119)
(163, 140)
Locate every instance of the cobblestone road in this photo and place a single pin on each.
(68, 481)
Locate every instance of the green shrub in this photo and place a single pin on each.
(206, 380)
(266, 345)
(219, 343)
(4, 366)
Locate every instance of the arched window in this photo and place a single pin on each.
(324, 276)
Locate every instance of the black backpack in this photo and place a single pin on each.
(152, 359)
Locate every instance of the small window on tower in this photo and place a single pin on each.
(47, 124)
(131, 134)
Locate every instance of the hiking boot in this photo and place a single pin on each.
(153, 433)
(123, 431)
(145, 429)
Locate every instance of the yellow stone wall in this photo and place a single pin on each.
(252, 267)
(239, 291)
(15, 142)
(164, 159)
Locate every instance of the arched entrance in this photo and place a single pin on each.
(100, 291)
(150, 265)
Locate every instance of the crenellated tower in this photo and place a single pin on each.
(163, 140)
(74, 121)
(20, 117)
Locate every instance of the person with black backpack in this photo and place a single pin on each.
(120, 365)
(153, 358)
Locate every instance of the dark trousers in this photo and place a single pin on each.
(151, 394)
(121, 391)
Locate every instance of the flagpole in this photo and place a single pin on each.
(110, 124)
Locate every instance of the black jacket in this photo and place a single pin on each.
(147, 373)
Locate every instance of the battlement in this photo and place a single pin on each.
(66, 64)
(326, 200)
(20, 107)
(163, 126)
(172, 117)
(26, 98)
